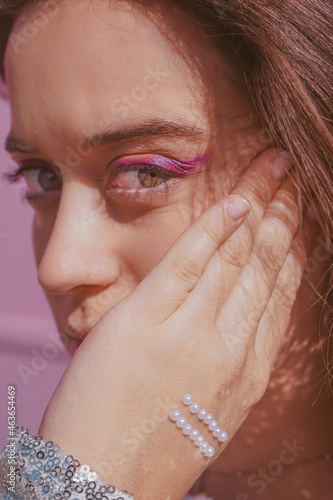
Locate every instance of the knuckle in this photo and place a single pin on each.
(285, 209)
(261, 191)
(289, 195)
(278, 232)
(210, 232)
(186, 270)
(285, 295)
(230, 256)
(269, 257)
(287, 287)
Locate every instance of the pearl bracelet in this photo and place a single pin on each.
(206, 417)
(194, 435)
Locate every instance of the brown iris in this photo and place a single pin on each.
(150, 179)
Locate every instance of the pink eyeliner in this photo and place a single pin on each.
(175, 166)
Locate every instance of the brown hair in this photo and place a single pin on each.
(283, 50)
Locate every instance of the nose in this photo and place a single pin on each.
(80, 254)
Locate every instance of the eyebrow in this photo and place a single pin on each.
(15, 145)
(150, 129)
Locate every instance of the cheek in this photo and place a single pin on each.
(154, 234)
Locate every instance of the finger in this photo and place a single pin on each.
(225, 267)
(282, 313)
(272, 245)
(274, 323)
(169, 283)
(258, 184)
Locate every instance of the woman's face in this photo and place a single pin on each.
(127, 128)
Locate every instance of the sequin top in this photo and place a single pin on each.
(31, 468)
(34, 469)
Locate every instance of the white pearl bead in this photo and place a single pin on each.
(181, 422)
(213, 425)
(187, 399)
(210, 452)
(199, 441)
(175, 415)
(202, 414)
(194, 408)
(209, 419)
(223, 437)
(204, 447)
(217, 432)
(194, 435)
(187, 429)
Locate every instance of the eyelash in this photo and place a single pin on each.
(143, 194)
(14, 174)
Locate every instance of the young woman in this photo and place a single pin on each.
(177, 156)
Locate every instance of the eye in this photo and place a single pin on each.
(139, 176)
(142, 177)
(39, 179)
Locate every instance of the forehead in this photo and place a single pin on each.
(86, 61)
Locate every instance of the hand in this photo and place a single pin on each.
(207, 320)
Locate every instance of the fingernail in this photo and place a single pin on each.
(282, 164)
(239, 208)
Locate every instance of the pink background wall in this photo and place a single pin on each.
(31, 356)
